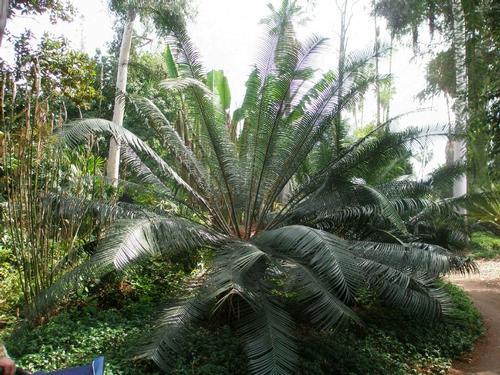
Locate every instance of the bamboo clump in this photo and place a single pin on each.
(45, 240)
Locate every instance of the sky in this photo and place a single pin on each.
(228, 33)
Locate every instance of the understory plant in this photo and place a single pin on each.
(232, 182)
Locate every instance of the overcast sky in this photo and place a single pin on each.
(227, 33)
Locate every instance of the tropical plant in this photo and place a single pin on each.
(231, 204)
(483, 210)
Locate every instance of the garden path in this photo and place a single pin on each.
(484, 289)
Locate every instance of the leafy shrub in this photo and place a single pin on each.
(76, 336)
(106, 318)
(11, 294)
(484, 246)
(211, 352)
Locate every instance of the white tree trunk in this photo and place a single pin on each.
(4, 12)
(387, 110)
(460, 104)
(344, 26)
(113, 164)
(377, 51)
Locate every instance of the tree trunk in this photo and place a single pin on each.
(460, 104)
(377, 82)
(388, 107)
(113, 164)
(449, 153)
(4, 12)
(344, 25)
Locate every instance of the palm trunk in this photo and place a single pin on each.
(460, 104)
(388, 107)
(344, 24)
(449, 153)
(113, 164)
(4, 11)
(377, 82)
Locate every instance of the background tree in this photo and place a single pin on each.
(113, 161)
(404, 18)
(59, 74)
(376, 48)
(345, 18)
(57, 10)
(129, 10)
(4, 12)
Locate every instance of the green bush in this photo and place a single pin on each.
(211, 352)
(75, 337)
(106, 318)
(11, 294)
(484, 245)
(389, 343)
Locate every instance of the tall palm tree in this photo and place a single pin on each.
(230, 194)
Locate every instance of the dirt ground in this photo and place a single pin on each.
(484, 289)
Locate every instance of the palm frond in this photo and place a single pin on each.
(483, 208)
(130, 158)
(78, 132)
(267, 336)
(171, 329)
(442, 178)
(185, 83)
(322, 306)
(173, 141)
(224, 163)
(431, 260)
(405, 188)
(415, 293)
(387, 209)
(328, 256)
(317, 117)
(131, 239)
(238, 267)
(292, 73)
(128, 241)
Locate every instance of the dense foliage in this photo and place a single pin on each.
(484, 245)
(404, 17)
(389, 340)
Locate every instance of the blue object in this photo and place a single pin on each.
(95, 368)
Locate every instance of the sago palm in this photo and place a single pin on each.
(231, 193)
